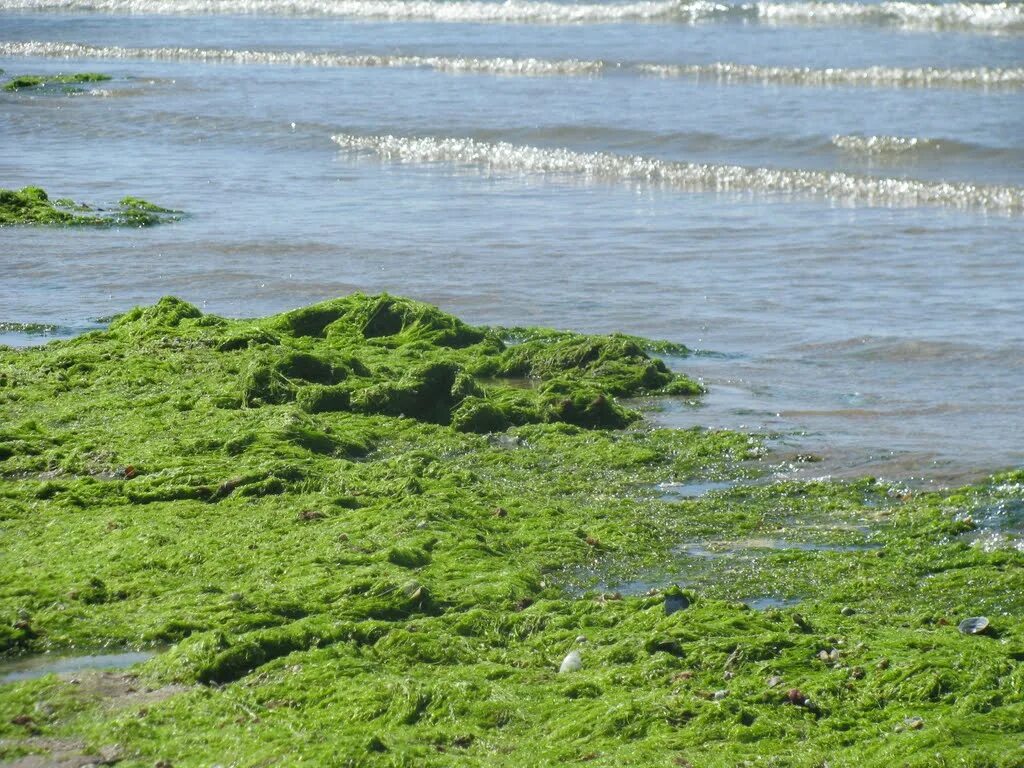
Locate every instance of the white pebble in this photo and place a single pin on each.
(571, 663)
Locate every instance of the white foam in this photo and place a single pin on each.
(838, 186)
(880, 145)
(501, 66)
(987, 17)
(923, 77)
(981, 16)
(981, 77)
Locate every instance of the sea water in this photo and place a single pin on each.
(826, 200)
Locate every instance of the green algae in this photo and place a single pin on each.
(370, 545)
(32, 205)
(27, 82)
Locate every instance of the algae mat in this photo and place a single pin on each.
(372, 533)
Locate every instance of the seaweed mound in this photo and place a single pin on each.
(371, 520)
(31, 205)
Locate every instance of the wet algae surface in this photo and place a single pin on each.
(366, 533)
(32, 205)
(66, 83)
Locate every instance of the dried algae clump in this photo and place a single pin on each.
(368, 519)
(31, 205)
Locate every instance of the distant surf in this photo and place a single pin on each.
(983, 17)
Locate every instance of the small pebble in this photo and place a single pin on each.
(719, 695)
(774, 680)
(847, 611)
(914, 723)
(571, 663)
(581, 638)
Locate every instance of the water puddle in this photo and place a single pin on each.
(677, 491)
(767, 602)
(998, 523)
(712, 550)
(32, 667)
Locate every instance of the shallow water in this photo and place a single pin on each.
(31, 667)
(827, 197)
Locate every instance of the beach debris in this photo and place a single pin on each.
(414, 590)
(975, 625)
(796, 697)
(572, 662)
(734, 658)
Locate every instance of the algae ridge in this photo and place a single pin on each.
(369, 544)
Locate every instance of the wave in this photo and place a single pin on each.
(921, 77)
(882, 145)
(503, 66)
(980, 77)
(985, 17)
(839, 186)
(894, 349)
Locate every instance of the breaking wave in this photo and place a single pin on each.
(503, 66)
(985, 17)
(921, 77)
(979, 77)
(882, 145)
(839, 186)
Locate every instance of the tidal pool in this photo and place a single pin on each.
(31, 667)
